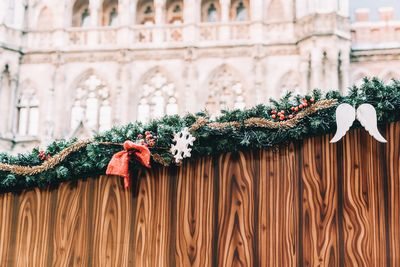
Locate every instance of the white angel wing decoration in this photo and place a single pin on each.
(345, 116)
(366, 115)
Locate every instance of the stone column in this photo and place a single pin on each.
(63, 99)
(256, 11)
(159, 6)
(94, 7)
(345, 57)
(257, 76)
(124, 22)
(316, 60)
(189, 19)
(125, 103)
(224, 32)
(333, 74)
(12, 122)
(344, 8)
(3, 11)
(304, 84)
(158, 33)
(187, 100)
(49, 109)
(124, 13)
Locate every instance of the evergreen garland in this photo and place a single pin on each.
(92, 160)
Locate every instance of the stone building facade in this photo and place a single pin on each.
(71, 68)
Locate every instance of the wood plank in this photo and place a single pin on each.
(305, 204)
(71, 228)
(32, 240)
(111, 222)
(235, 210)
(142, 226)
(319, 211)
(278, 208)
(363, 202)
(373, 168)
(194, 215)
(6, 214)
(152, 220)
(393, 189)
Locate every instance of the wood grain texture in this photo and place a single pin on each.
(393, 190)
(308, 203)
(319, 203)
(235, 210)
(111, 222)
(278, 209)
(6, 215)
(32, 235)
(364, 227)
(195, 214)
(71, 232)
(152, 226)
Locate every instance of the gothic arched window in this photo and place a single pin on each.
(289, 82)
(81, 14)
(145, 12)
(110, 13)
(10, 12)
(358, 79)
(45, 20)
(275, 11)
(225, 91)
(389, 77)
(158, 97)
(174, 11)
(210, 11)
(28, 113)
(6, 96)
(113, 17)
(91, 104)
(240, 10)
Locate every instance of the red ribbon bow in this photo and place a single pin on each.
(119, 163)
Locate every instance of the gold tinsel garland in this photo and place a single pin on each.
(200, 122)
(264, 123)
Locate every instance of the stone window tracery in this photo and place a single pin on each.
(275, 11)
(10, 12)
(145, 12)
(45, 20)
(81, 14)
(175, 11)
(388, 78)
(210, 11)
(28, 113)
(359, 79)
(92, 104)
(290, 82)
(158, 98)
(240, 10)
(6, 95)
(113, 17)
(226, 92)
(110, 13)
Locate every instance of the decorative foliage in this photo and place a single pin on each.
(233, 130)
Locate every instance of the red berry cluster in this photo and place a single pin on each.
(43, 156)
(282, 115)
(148, 140)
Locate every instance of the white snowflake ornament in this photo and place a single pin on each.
(181, 149)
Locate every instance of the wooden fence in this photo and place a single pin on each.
(309, 203)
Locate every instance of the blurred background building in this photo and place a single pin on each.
(71, 68)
